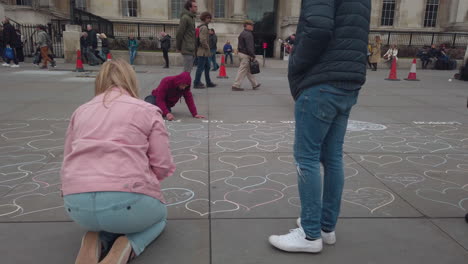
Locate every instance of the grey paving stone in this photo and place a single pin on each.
(455, 228)
(358, 240)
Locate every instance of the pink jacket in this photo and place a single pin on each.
(121, 145)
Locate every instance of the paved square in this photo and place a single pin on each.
(406, 166)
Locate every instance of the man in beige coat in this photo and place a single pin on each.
(246, 54)
(203, 52)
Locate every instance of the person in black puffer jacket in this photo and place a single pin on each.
(326, 71)
(165, 46)
(10, 41)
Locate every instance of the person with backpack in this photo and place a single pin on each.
(203, 52)
(185, 38)
(165, 46)
(10, 42)
(43, 42)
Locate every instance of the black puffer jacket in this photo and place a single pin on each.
(331, 45)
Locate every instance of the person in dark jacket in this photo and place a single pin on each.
(84, 46)
(169, 92)
(185, 38)
(327, 68)
(246, 54)
(2, 44)
(19, 46)
(10, 39)
(165, 46)
(104, 47)
(213, 49)
(92, 46)
(228, 51)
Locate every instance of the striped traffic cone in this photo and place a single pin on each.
(412, 74)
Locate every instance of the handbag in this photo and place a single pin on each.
(9, 53)
(254, 67)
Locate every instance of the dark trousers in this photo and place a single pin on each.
(203, 66)
(166, 56)
(374, 66)
(229, 55)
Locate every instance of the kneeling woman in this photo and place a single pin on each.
(116, 154)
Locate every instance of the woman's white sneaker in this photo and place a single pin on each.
(296, 241)
(328, 238)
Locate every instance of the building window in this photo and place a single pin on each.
(176, 8)
(388, 12)
(130, 8)
(24, 2)
(432, 8)
(80, 4)
(219, 8)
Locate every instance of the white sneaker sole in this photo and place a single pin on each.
(325, 237)
(274, 243)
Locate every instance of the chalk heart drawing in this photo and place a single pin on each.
(454, 136)
(184, 144)
(369, 198)
(272, 130)
(9, 209)
(388, 139)
(456, 197)
(239, 162)
(266, 137)
(237, 127)
(399, 149)
(382, 161)
(456, 177)
(20, 159)
(12, 176)
(211, 135)
(357, 134)
(438, 128)
(287, 159)
(22, 188)
(267, 148)
(175, 196)
(463, 166)
(405, 132)
(285, 144)
(48, 178)
(237, 145)
(405, 179)
(285, 179)
(184, 128)
(44, 144)
(295, 201)
(219, 175)
(350, 172)
(12, 126)
(362, 126)
(245, 182)
(37, 167)
(9, 149)
(364, 145)
(200, 206)
(13, 135)
(430, 146)
(37, 202)
(253, 198)
(184, 158)
(459, 157)
(427, 160)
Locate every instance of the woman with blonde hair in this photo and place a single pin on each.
(116, 155)
(375, 52)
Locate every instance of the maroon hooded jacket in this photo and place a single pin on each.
(168, 93)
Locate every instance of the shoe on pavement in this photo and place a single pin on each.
(328, 238)
(199, 86)
(43, 67)
(14, 66)
(6, 64)
(256, 87)
(237, 88)
(211, 85)
(166, 67)
(90, 250)
(120, 253)
(296, 241)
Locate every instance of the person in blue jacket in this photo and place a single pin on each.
(228, 51)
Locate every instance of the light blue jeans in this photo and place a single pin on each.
(321, 114)
(133, 53)
(140, 217)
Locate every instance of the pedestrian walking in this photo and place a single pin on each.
(116, 156)
(92, 46)
(170, 91)
(2, 44)
(132, 48)
(10, 42)
(185, 38)
(104, 47)
(325, 83)
(84, 47)
(376, 51)
(19, 46)
(43, 42)
(246, 55)
(228, 51)
(165, 46)
(203, 53)
(213, 49)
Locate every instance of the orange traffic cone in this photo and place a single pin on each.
(222, 69)
(412, 74)
(79, 63)
(393, 72)
(109, 56)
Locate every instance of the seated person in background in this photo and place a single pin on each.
(425, 56)
(391, 54)
(228, 51)
(169, 92)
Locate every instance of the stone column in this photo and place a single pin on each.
(240, 11)
(71, 42)
(2, 11)
(462, 11)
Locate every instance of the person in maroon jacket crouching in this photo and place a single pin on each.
(169, 92)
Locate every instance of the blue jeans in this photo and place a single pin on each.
(321, 114)
(203, 65)
(140, 217)
(213, 59)
(228, 55)
(133, 54)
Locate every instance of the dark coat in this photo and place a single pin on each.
(213, 42)
(246, 43)
(92, 39)
(185, 38)
(331, 45)
(166, 42)
(9, 35)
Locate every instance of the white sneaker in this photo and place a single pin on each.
(14, 66)
(296, 241)
(328, 238)
(6, 64)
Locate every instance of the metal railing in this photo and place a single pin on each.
(421, 39)
(143, 30)
(100, 24)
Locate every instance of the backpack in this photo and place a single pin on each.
(197, 35)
